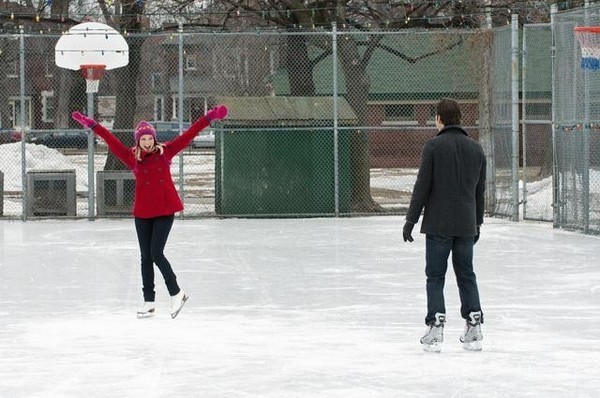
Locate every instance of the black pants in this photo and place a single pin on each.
(152, 236)
(437, 251)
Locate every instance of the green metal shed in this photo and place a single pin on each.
(274, 156)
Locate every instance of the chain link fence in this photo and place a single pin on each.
(498, 94)
(321, 123)
(577, 126)
(536, 122)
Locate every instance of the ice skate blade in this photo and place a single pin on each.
(143, 315)
(435, 347)
(183, 300)
(472, 346)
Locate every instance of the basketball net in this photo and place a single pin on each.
(589, 40)
(92, 75)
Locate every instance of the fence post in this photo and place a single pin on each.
(91, 170)
(555, 176)
(336, 175)
(1, 193)
(515, 115)
(585, 178)
(524, 116)
(22, 120)
(180, 109)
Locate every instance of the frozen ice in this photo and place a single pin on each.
(318, 307)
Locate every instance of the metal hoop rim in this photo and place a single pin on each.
(588, 29)
(96, 69)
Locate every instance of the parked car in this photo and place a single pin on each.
(8, 136)
(67, 139)
(167, 131)
(206, 139)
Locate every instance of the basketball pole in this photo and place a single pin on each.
(91, 168)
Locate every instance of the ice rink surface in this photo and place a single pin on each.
(292, 308)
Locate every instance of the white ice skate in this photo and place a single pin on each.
(146, 310)
(177, 303)
(472, 336)
(434, 337)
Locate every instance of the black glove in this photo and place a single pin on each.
(407, 231)
(476, 238)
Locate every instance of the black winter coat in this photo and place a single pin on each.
(450, 185)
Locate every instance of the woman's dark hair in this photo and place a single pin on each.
(449, 112)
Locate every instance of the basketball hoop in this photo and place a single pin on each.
(589, 40)
(92, 75)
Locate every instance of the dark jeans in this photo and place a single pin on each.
(437, 250)
(152, 236)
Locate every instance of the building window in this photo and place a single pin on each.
(431, 115)
(190, 62)
(227, 65)
(156, 81)
(49, 67)
(399, 114)
(12, 68)
(194, 108)
(14, 106)
(48, 107)
(159, 108)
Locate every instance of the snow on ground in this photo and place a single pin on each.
(291, 308)
(37, 157)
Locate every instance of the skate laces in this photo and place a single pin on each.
(474, 319)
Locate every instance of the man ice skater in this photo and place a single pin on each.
(450, 186)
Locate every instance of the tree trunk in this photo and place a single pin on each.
(486, 137)
(65, 104)
(127, 77)
(299, 67)
(357, 87)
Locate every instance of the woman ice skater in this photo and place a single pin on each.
(156, 199)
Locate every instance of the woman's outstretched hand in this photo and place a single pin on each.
(83, 119)
(217, 113)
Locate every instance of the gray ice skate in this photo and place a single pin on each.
(146, 310)
(434, 337)
(472, 336)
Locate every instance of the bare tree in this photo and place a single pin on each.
(350, 16)
(296, 15)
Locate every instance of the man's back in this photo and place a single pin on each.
(450, 185)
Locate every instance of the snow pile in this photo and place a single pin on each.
(37, 157)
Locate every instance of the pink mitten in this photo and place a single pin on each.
(83, 119)
(217, 113)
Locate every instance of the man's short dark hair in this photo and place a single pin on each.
(449, 112)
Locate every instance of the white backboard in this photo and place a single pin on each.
(91, 43)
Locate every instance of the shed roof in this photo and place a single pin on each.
(290, 111)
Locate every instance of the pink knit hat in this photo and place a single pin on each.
(143, 128)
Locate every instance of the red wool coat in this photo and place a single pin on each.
(155, 193)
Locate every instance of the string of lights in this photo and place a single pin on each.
(390, 23)
(454, 14)
(579, 127)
